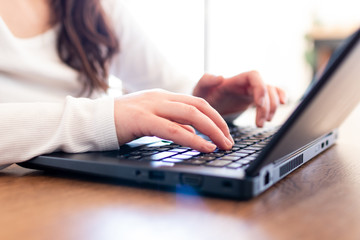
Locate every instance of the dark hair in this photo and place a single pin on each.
(86, 40)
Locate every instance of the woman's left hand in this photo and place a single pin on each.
(238, 93)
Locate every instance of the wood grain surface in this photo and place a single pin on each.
(321, 200)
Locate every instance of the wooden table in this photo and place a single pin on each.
(321, 200)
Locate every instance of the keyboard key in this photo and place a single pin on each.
(235, 149)
(222, 151)
(253, 148)
(158, 156)
(179, 150)
(239, 145)
(218, 163)
(229, 158)
(159, 144)
(174, 145)
(192, 153)
(185, 147)
(172, 160)
(250, 158)
(247, 151)
(243, 161)
(163, 148)
(259, 145)
(238, 154)
(249, 142)
(234, 165)
(238, 139)
(135, 153)
(182, 156)
(214, 154)
(193, 162)
(149, 153)
(206, 158)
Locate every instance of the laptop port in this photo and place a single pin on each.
(191, 180)
(266, 178)
(156, 175)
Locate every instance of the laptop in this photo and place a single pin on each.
(260, 157)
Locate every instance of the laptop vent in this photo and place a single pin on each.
(291, 165)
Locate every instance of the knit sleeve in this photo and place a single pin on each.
(74, 125)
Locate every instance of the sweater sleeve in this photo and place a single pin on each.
(140, 65)
(74, 125)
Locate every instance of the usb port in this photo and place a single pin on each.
(191, 180)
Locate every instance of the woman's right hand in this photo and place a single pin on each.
(170, 116)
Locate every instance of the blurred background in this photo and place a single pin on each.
(286, 41)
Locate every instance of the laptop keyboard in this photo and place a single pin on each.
(248, 143)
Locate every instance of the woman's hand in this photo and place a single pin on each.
(236, 94)
(170, 116)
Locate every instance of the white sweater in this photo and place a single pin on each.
(40, 107)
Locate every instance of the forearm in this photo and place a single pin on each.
(75, 125)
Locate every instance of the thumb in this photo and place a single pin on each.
(206, 83)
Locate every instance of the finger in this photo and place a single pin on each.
(206, 84)
(282, 95)
(210, 81)
(254, 82)
(169, 130)
(206, 109)
(188, 128)
(262, 112)
(190, 115)
(274, 101)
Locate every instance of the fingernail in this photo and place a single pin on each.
(211, 147)
(261, 122)
(228, 143)
(232, 140)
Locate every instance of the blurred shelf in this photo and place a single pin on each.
(326, 40)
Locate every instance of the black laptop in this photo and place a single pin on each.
(259, 158)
